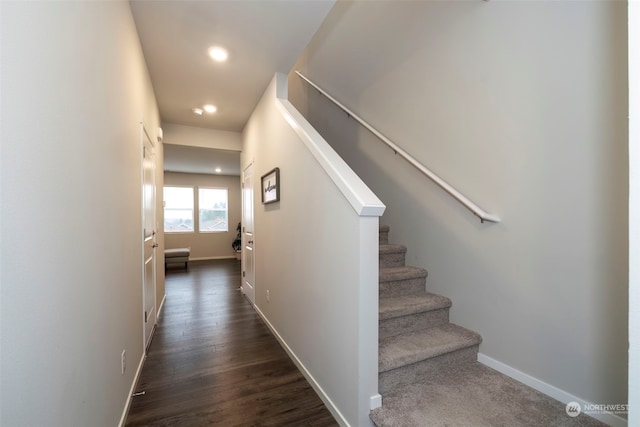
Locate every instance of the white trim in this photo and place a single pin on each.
(226, 210)
(376, 401)
(146, 340)
(164, 297)
(551, 391)
(361, 198)
(318, 389)
(123, 418)
(207, 258)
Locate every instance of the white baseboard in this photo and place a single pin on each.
(321, 393)
(208, 258)
(376, 402)
(136, 377)
(164, 297)
(551, 391)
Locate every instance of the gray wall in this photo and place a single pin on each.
(523, 107)
(201, 137)
(74, 90)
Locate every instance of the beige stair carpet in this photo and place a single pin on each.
(473, 395)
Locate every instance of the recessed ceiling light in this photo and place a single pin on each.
(197, 111)
(210, 108)
(218, 170)
(218, 54)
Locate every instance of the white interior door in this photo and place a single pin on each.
(248, 253)
(149, 237)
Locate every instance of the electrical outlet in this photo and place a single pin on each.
(268, 295)
(123, 361)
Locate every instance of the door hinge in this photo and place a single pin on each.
(145, 316)
(243, 273)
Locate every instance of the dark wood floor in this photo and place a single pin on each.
(212, 360)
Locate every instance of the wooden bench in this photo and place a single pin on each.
(177, 255)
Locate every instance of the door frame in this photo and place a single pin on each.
(249, 295)
(146, 339)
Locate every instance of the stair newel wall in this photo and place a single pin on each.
(368, 315)
(315, 252)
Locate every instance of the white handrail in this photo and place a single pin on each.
(475, 209)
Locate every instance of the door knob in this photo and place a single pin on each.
(250, 242)
(155, 245)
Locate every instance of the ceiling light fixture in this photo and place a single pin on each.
(197, 111)
(210, 108)
(218, 170)
(218, 54)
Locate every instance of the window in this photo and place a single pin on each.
(178, 209)
(213, 213)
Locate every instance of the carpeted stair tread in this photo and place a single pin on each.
(401, 273)
(391, 255)
(404, 305)
(392, 249)
(383, 228)
(401, 350)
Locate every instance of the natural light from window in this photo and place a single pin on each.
(178, 210)
(213, 210)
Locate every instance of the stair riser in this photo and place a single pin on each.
(393, 259)
(412, 322)
(383, 234)
(421, 371)
(383, 238)
(402, 287)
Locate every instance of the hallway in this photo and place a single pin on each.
(212, 360)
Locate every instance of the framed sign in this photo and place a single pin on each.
(271, 186)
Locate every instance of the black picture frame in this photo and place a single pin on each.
(271, 186)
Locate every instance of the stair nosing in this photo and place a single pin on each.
(407, 272)
(424, 302)
(457, 338)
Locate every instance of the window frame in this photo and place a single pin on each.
(164, 209)
(226, 210)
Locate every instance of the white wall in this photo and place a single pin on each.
(207, 245)
(634, 213)
(201, 137)
(318, 258)
(522, 106)
(74, 90)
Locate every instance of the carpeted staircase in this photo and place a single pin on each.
(416, 338)
(428, 369)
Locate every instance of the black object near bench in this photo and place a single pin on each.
(177, 256)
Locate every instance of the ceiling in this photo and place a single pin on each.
(262, 38)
